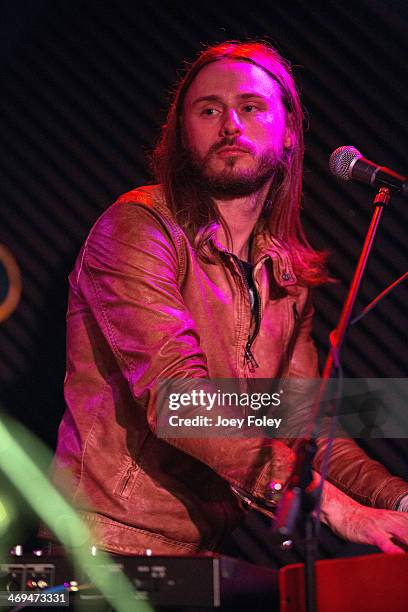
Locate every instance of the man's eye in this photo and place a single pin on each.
(209, 112)
(249, 108)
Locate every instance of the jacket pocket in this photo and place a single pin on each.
(132, 469)
(127, 480)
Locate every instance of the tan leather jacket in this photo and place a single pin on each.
(143, 307)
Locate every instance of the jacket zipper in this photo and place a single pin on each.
(251, 361)
(249, 358)
(295, 313)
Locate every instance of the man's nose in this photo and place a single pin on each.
(231, 124)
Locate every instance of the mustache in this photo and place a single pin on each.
(229, 142)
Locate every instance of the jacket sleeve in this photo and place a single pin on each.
(130, 276)
(350, 469)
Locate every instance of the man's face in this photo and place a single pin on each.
(235, 127)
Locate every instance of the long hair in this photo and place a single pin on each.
(195, 211)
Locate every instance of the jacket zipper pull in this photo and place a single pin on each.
(295, 313)
(249, 358)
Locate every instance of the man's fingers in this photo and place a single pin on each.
(386, 544)
(401, 543)
(391, 534)
(398, 531)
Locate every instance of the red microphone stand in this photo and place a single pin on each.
(296, 501)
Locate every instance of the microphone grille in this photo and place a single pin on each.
(341, 160)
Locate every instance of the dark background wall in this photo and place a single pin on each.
(84, 89)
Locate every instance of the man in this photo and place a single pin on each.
(206, 276)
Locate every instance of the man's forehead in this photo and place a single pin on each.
(231, 77)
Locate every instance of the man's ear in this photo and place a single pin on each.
(289, 140)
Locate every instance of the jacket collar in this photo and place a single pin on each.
(264, 246)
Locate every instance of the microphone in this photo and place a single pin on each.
(347, 163)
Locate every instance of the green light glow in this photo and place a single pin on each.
(56, 513)
(4, 518)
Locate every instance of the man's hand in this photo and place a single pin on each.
(386, 529)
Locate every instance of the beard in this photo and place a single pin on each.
(231, 181)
